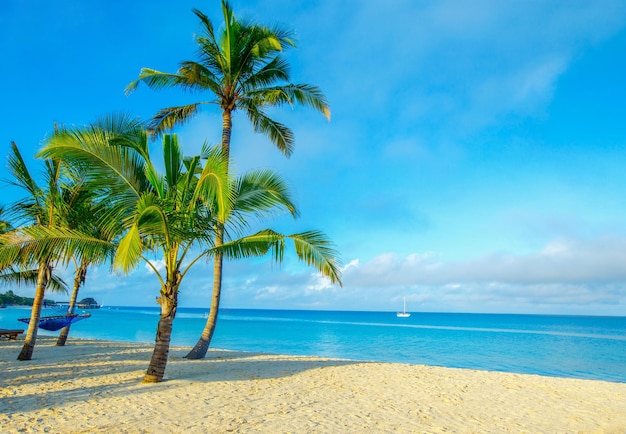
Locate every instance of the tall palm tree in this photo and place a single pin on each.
(241, 67)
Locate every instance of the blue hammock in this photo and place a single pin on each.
(57, 322)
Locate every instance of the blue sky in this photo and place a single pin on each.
(474, 161)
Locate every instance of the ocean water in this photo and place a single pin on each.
(563, 346)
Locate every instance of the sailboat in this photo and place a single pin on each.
(404, 313)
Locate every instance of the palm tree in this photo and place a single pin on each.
(39, 209)
(156, 211)
(242, 68)
(51, 216)
(175, 213)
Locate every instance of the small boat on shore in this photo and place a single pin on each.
(404, 313)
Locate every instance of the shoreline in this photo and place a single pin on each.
(94, 385)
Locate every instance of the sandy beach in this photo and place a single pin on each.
(95, 386)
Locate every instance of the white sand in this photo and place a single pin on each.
(95, 386)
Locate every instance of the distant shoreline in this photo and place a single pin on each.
(391, 312)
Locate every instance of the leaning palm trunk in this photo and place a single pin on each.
(168, 301)
(43, 277)
(79, 278)
(202, 346)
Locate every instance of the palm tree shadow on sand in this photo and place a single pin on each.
(88, 372)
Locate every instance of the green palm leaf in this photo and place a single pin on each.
(20, 278)
(128, 253)
(312, 247)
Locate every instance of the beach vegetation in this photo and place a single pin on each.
(241, 68)
(72, 207)
(9, 298)
(147, 211)
(21, 257)
(176, 213)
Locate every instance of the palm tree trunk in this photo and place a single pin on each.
(79, 278)
(227, 126)
(43, 277)
(202, 346)
(168, 301)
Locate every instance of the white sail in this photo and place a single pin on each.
(404, 313)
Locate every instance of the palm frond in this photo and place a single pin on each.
(21, 173)
(261, 191)
(310, 96)
(281, 136)
(206, 22)
(214, 187)
(118, 167)
(20, 278)
(312, 247)
(5, 225)
(172, 154)
(29, 246)
(155, 80)
(128, 253)
(275, 71)
(315, 249)
(168, 118)
(200, 76)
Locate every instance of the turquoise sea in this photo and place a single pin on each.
(587, 347)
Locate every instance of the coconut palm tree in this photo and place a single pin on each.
(241, 68)
(48, 214)
(157, 212)
(40, 208)
(174, 213)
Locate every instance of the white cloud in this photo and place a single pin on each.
(159, 264)
(561, 261)
(319, 283)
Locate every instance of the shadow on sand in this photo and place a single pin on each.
(90, 369)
